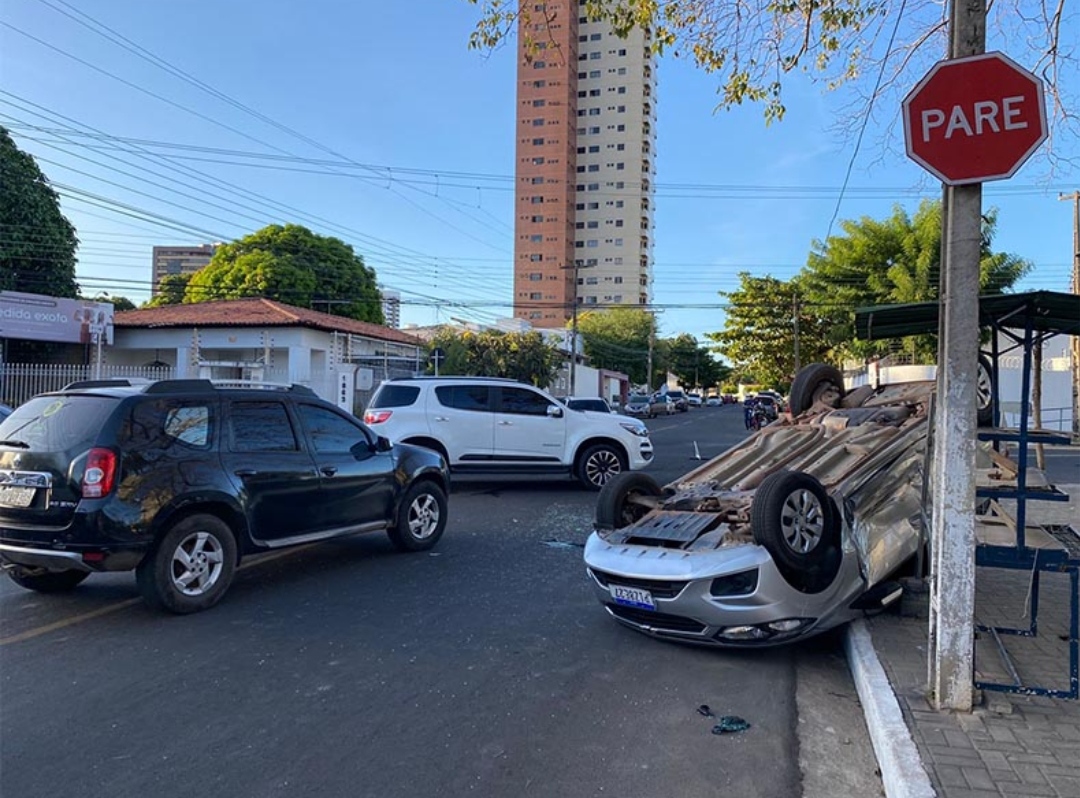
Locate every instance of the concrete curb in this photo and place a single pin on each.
(902, 772)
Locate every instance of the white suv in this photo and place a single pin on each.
(485, 425)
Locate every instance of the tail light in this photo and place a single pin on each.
(377, 416)
(100, 473)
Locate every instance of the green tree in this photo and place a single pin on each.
(519, 356)
(892, 261)
(171, 290)
(753, 48)
(759, 330)
(119, 303)
(37, 243)
(618, 339)
(293, 265)
(692, 363)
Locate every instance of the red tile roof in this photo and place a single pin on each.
(256, 313)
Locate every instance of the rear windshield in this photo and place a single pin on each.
(57, 423)
(394, 396)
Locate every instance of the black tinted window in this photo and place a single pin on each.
(465, 397)
(524, 402)
(589, 404)
(58, 423)
(261, 427)
(395, 396)
(330, 432)
(162, 423)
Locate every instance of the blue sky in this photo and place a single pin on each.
(394, 85)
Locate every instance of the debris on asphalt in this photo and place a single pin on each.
(704, 711)
(552, 543)
(729, 724)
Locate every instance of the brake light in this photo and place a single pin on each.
(100, 473)
(377, 416)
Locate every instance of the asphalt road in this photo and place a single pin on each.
(482, 668)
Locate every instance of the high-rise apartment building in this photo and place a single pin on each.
(585, 172)
(391, 306)
(179, 260)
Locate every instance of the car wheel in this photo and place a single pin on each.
(191, 566)
(598, 464)
(48, 582)
(984, 392)
(794, 519)
(421, 518)
(811, 384)
(614, 510)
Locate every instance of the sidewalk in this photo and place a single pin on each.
(1010, 745)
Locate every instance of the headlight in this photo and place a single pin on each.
(635, 429)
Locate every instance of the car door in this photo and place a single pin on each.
(356, 481)
(276, 475)
(462, 417)
(524, 428)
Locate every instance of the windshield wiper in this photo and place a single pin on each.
(16, 444)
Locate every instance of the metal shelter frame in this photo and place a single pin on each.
(1027, 321)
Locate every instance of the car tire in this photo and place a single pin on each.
(808, 384)
(984, 392)
(613, 511)
(598, 464)
(421, 518)
(794, 519)
(200, 549)
(48, 582)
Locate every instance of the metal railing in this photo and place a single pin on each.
(20, 381)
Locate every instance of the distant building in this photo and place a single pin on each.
(391, 307)
(585, 171)
(180, 260)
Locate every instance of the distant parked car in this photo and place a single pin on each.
(714, 401)
(694, 399)
(593, 403)
(5, 411)
(680, 400)
(649, 406)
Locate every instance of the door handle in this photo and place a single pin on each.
(506, 423)
(245, 472)
(442, 418)
(328, 471)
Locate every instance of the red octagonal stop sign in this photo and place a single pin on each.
(975, 119)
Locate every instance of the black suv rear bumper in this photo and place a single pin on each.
(89, 542)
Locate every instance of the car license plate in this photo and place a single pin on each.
(632, 597)
(16, 496)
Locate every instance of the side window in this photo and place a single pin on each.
(163, 423)
(189, 425)
(330, 432)
(524, 402)
(261, 427)
(465, 397)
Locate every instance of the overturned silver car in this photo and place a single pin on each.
(791, 532)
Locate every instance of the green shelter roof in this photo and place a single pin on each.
(1049, 311)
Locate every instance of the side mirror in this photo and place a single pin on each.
(554, 412)
(383, 444)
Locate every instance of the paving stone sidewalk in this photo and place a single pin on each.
(1010, 745)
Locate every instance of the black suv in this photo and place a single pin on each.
(178, 479)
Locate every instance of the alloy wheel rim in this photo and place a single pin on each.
(197, 563)
(802, 521)
(983, 388)
(423, 516)
(601, 467)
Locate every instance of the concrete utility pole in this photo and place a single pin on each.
(1075, 344)
(952, 608)
(573, 333)
(652, 341)
(795, 320)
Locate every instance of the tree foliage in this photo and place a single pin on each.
(170, 291)
(892, 261)
(119, 303)
(754, 46)
(618, 339)
(692, 363)
(293, 265)
(519, 356)
(37, 242)
(759, 330)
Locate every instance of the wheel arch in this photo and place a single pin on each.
(221, 507)
(594, 440)
(427, 442)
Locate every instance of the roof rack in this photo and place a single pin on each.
(118, 382)
(470, 377)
